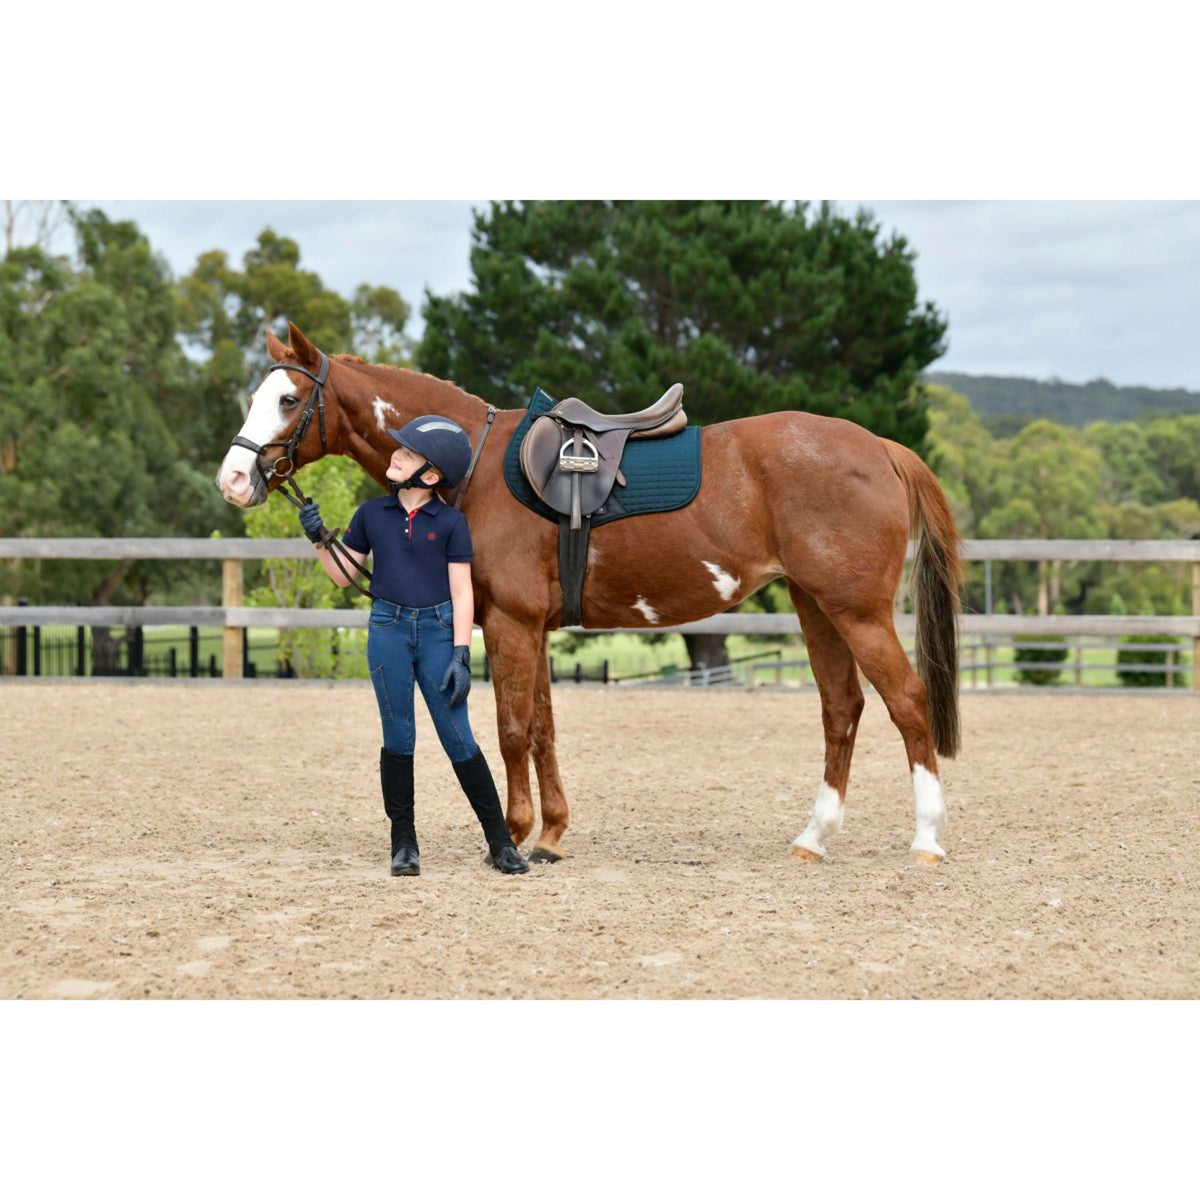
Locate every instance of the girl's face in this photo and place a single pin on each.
(404, 462)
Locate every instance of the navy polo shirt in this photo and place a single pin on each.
(410, 550)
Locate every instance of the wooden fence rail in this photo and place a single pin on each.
(233, 617)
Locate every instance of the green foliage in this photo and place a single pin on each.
(1041, 653)
(754, 307)
(302, 583)
(1019, 400)
(91, 379)
(1159, 657)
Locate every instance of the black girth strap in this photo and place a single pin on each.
(572, 567)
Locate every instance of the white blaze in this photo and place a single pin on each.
(725, 584)
(264, 423)
(826, 819)
(646, 610)
(380, 407)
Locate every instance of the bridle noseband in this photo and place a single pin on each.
(316, 402)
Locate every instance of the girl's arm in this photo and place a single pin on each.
(462, 595)
(335, 572)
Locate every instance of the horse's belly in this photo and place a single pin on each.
(666, 569)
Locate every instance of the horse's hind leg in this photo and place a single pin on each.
(872, 639)
(555, 813)
(834, 670)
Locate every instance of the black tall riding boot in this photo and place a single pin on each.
(396, 779)
(480, 788)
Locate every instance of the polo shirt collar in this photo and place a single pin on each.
(431, 507)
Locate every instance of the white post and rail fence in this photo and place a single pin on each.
(233, 617)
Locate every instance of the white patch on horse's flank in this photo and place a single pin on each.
(931, 811)
(850, 729)
(646, 610)
(725, 584)
(263, 423)
(380, 407)
(826, 819)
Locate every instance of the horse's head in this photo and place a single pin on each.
(286, 425)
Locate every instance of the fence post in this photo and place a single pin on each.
(231, 597)
(22, 643)
(1078, 664)
(37, 649)
(194, 651)
(1170, 671)
(1196, 640)
(80, 650)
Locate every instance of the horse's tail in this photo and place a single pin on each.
(937, 579)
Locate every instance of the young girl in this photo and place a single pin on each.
(420, 630)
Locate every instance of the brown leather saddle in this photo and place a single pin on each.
(571, 457)
(572, 454)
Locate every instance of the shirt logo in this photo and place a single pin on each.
(432, 537)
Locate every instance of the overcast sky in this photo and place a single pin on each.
(1036, 288)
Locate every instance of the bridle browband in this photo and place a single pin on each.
(286, 475)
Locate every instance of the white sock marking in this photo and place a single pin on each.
(380, 407)
(826, 819)
(725, 584)
(931, 811)
(646, 610)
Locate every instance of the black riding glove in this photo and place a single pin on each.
(314, 527)
(457, 678)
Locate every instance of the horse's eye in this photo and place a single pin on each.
(289, 401)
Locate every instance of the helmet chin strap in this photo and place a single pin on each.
(414, 480)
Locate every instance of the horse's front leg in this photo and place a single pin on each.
(555, 813)
(513, 649)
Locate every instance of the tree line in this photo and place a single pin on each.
(1005, 403)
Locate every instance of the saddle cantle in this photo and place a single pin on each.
(565, 462)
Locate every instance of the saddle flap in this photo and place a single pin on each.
(570, 492)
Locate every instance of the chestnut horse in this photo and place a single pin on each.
(818, 501)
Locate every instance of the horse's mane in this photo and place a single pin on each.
(409, 372)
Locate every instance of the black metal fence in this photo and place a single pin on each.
(83, 650)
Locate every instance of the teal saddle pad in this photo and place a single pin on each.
(660, 473)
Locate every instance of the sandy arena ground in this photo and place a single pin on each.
(176, 840)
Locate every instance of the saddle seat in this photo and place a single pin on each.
(661, 419)
(571, 455)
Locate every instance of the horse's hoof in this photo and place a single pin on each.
(542, 855)
(804, 854)
(925, 858)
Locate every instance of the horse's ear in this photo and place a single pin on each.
(307, 354)
(275, 348)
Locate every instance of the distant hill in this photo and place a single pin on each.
(1005, 403)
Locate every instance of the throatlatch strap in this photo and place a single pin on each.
(572, 567)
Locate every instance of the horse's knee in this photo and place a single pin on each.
(515, 739)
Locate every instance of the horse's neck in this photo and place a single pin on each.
(375, 399)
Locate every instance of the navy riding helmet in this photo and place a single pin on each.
(443, 445)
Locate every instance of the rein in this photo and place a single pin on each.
(286, 474)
